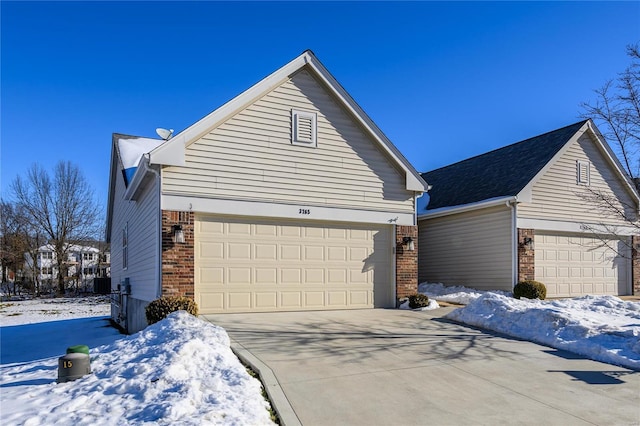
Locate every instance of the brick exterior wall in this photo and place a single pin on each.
(526, 256)
(406, 263)
(635, 264)
(178, 258)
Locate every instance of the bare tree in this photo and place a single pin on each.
(616, 112)
(62, 205)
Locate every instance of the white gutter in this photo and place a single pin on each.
(514, 243)
(445, 211)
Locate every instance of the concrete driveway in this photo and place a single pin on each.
(394, 367)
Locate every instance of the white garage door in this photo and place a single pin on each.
(263, 265)
(574, 264)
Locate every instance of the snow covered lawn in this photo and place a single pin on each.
(602, 328)
(180, 370)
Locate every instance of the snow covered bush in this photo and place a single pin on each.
(159, 309)
(418, 301)
(530, 289)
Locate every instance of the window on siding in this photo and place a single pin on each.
(125, 246)
(303, 128)
(583, 171)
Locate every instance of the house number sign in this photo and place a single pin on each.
(304, 211)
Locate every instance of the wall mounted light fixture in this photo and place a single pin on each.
(408, 243)
(527, 243)
(178, 234)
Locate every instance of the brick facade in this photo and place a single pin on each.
(406, 263)
(635, 262)
(526, 255)
(177, 258)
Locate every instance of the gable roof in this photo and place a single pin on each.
(500, 173)
(509, 171)
(172, 153)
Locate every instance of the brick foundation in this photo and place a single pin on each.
(526, 256)
(406, 263)
(635, 264)
(177, 258)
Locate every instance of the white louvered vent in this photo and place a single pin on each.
(583, 172)
(303, 130)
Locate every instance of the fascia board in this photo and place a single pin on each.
(526, 194)
(613, 160)
(113, 175)
(172, 152)
(446, 211)
(414, 181)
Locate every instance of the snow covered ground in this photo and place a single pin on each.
(180, 370)
(602, 328)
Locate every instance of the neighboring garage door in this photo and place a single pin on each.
(258, 265)
(574, 265)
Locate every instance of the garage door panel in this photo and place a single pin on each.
(212, 250)
(577, 264)
(266, 251)
(239, 251)
(266, 276)
(266, 300)
(266, 265)
(291, 299)
(314, 299)
(212, 275)
(314, 253)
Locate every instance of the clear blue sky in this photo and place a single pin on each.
(444, 81)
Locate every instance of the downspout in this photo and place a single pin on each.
(158, 243)
(514, 242)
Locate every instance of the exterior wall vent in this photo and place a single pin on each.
(303, 128)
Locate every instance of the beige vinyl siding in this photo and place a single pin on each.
(557, 195)
(250, 157)
(142, 216)
(471, 249)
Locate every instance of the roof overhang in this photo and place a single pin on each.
(172, 153)
(525, 195)
(462, 208)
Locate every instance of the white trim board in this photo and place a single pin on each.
(575, 227)
(286, 211)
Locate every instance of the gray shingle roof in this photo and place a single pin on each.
(499, 173)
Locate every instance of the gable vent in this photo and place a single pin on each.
(583, 172)
(303, 130)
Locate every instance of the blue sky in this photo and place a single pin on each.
(444, 81)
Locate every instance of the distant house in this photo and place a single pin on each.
(288, 197)
(526, 211)
(82, 262)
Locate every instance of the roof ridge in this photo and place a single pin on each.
(581, 123)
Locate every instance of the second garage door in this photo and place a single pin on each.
(249, 265)
(575, 265)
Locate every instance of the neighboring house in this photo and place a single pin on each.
(288, 197)
(82, 262)
(525, 212)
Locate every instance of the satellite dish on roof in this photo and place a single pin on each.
(164, 133)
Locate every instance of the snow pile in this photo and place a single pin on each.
(603, 328)
(42, 310)
(453, 294)
(179, 370)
